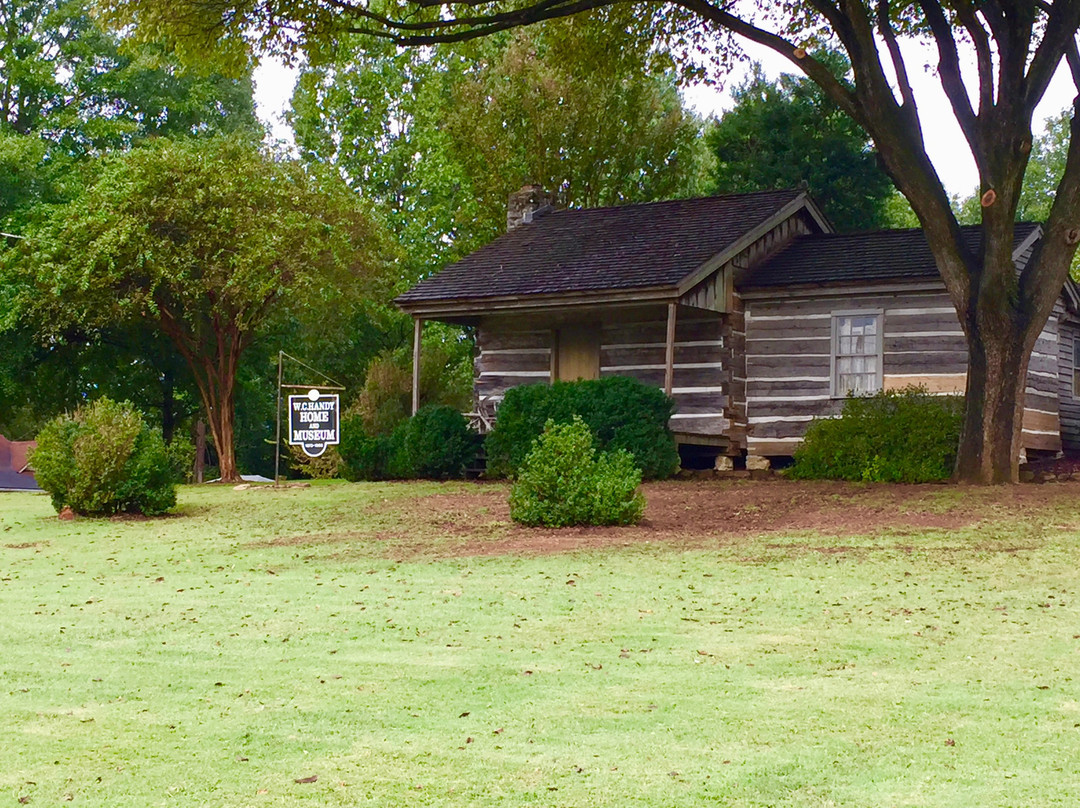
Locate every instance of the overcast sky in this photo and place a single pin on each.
(945, 143)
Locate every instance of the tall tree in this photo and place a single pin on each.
(204, 239)
(442, 136)
(781, 133)
(69, 92)
(1017, 48)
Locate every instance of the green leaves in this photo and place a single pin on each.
(786, 132)
(440, 137)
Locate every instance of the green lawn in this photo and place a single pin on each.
(260, 637)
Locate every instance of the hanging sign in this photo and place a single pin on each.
(314, 422)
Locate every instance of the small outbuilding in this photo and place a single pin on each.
(15, 472)
(748, 310)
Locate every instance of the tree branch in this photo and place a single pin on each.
(1062, 21)
(889, 35)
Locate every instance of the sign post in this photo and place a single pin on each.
(314, 417)
(314, 421)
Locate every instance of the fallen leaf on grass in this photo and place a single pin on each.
(312, 779)
(262, 791)
(950, 742)
(464, 714)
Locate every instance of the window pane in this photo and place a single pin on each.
(856, 362)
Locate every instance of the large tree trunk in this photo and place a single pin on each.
(214, 365)
(990, 439)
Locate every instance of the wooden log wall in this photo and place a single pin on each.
(788, 361)
(700, 382)
(508, 357)
(1068, 400)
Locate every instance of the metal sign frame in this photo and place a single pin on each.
(309, 388)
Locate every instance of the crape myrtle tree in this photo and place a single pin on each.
(1015, 47)
(207, 240)
(70, 90)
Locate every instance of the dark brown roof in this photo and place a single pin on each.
(598, 249)
(854, 257)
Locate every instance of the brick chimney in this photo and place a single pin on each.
(526, 204)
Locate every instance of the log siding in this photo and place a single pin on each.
(1068, 395)
(789, 361)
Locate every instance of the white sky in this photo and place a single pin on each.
(945, 143)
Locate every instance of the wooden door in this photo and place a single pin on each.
(578, 353)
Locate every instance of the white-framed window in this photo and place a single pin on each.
(856, 352)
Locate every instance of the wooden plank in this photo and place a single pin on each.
(948, 383)
(764, 447)
(787, 347)
(669, 350)
(1046, 443)
(787, 407)
(689, 354)
(534, 360)
(912, 344)
(787, 389)
(700, 424)
(488, 338)
(684, 377)
(771, 366)
(779, 429)
(1035, 421)
(825, 301)
(920, 362)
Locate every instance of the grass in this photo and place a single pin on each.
(257, 638)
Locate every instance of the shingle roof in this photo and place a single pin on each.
(852, 257)
(597, 249)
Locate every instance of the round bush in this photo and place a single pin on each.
(436, 443)
(105, 460)
(564, 482)
(622, 413)
(363, 456)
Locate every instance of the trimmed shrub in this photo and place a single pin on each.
(564, 482)
(621, 412)
(363, 456)
(901, 436)
(105, 460)
(435, 443)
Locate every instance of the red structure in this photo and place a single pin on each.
(15, 473)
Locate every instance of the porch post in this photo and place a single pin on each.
(669, 355)
(418, 327)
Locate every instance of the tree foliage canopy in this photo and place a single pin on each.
(785, 132)
(1017, 49)
(442, 136)
(205, 239)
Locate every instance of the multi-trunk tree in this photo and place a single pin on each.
(995, 59)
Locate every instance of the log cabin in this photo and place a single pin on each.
(748, 310)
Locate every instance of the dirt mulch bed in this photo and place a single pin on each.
(697, 513)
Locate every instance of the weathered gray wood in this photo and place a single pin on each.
(535, 360)
(618, 356)
(489, 339)
(418, 328)
(787, 347)
(938, 344)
